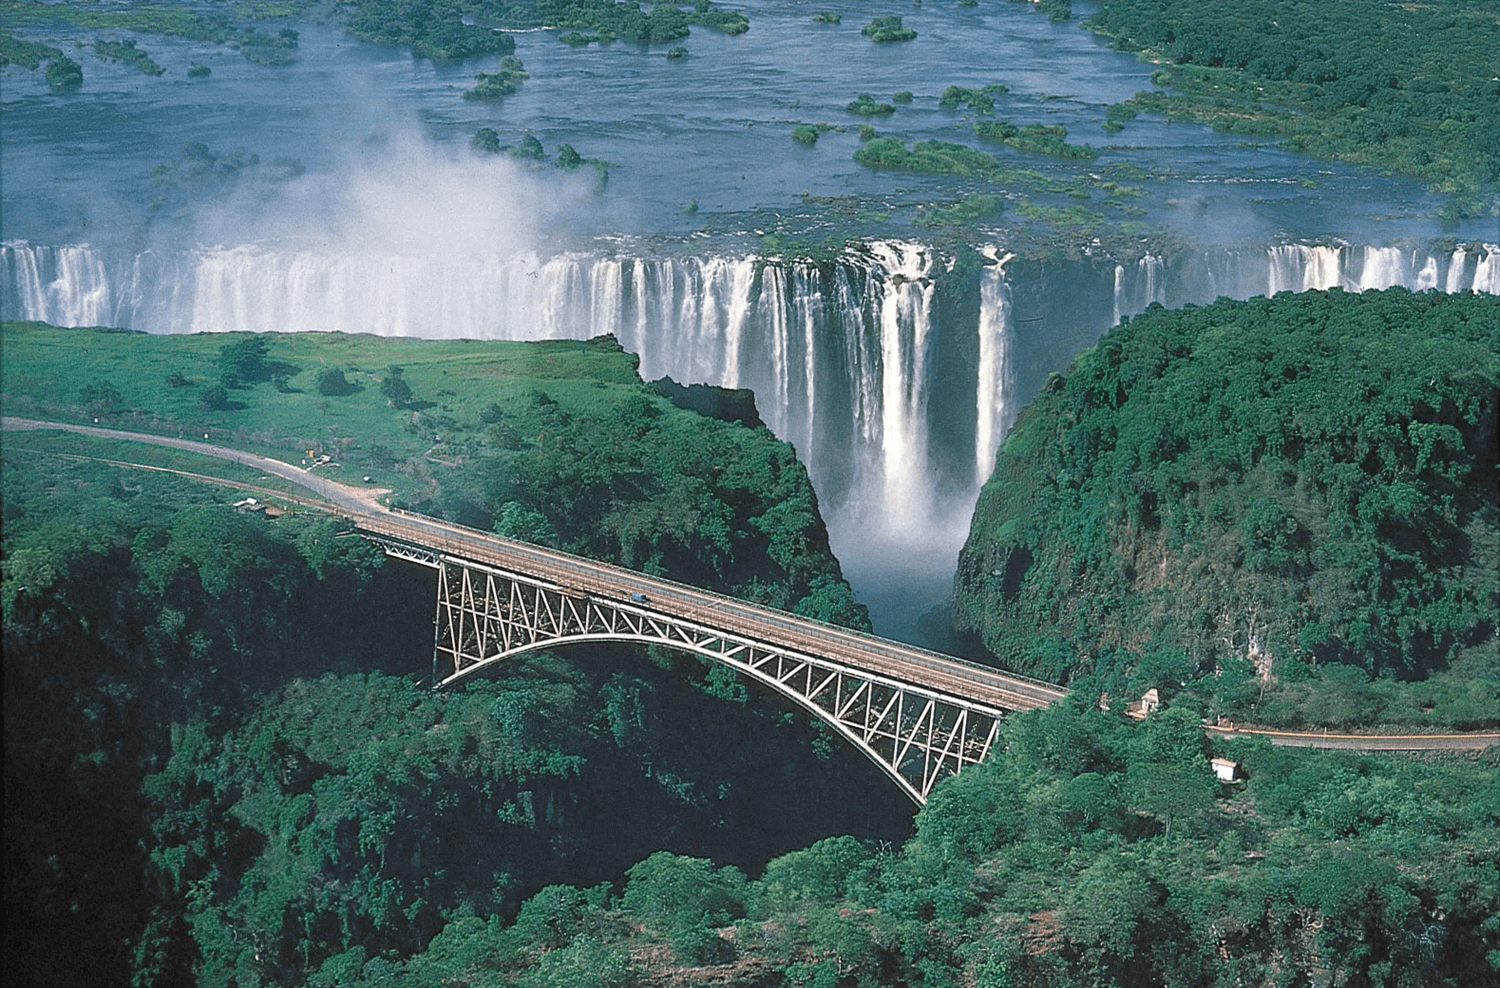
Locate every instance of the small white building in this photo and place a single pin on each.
(1226, 770)
(1149, 703)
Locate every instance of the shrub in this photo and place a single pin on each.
(866, 106)
(486, 141)
(198, 71)
(332, 382)
(102, 398)
(803, 134)
(887, 28)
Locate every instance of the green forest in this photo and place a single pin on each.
(220, 767)
(1413, 88)
(1286, 506)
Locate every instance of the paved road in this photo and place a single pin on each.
(574, 573)
(1363, 742)
(344, 495)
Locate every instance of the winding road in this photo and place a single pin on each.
(897, 660)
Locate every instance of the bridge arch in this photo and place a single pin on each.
(486, 615)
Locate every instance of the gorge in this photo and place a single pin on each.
(894, 367)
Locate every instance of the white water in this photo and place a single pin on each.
(996, 386)
(840, 355)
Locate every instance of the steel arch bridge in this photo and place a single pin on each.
(486, 614)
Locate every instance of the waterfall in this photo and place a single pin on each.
(844, 355)
(905, 302)
(995, 385)
(67, 286)
(1135, 293)
(809, 299)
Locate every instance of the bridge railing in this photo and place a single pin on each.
(591, 577)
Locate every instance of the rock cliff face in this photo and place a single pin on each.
(1296, 480)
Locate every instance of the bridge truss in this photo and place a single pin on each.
(486, 615)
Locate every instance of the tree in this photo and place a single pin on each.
(214, 399)
(332, 382)
(832, 601)
(524, 524)
(555, 915)
(529, 149)
(63, 74)
(586, 963)
(1106, 905)
(397, 392)
(243, 361)
(673, 891)
(486, 141)
(822, 872)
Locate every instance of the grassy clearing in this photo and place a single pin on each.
(61, 374)
(23, 448)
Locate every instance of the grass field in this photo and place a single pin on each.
(463, 391)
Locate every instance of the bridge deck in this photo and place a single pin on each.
(574, 574)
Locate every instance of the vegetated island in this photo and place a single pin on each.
(257, 46)
(126, 52)
(1414, 88)
(1283, 509)
(62, 73)
(611, 19)
(238, 687)
(501, 83)
(442, 29)
(887, 28)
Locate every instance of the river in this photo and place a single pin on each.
(892, 354)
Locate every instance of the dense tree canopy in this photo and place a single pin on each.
(1289, 482)
(218, 767)
(1087, 850)
(1415, 87)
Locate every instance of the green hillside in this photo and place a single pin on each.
(1273, 502)
(220, 766)
(556, 442)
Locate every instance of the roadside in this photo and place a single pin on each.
(347, 495)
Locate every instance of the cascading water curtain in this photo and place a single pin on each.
(995, 384)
